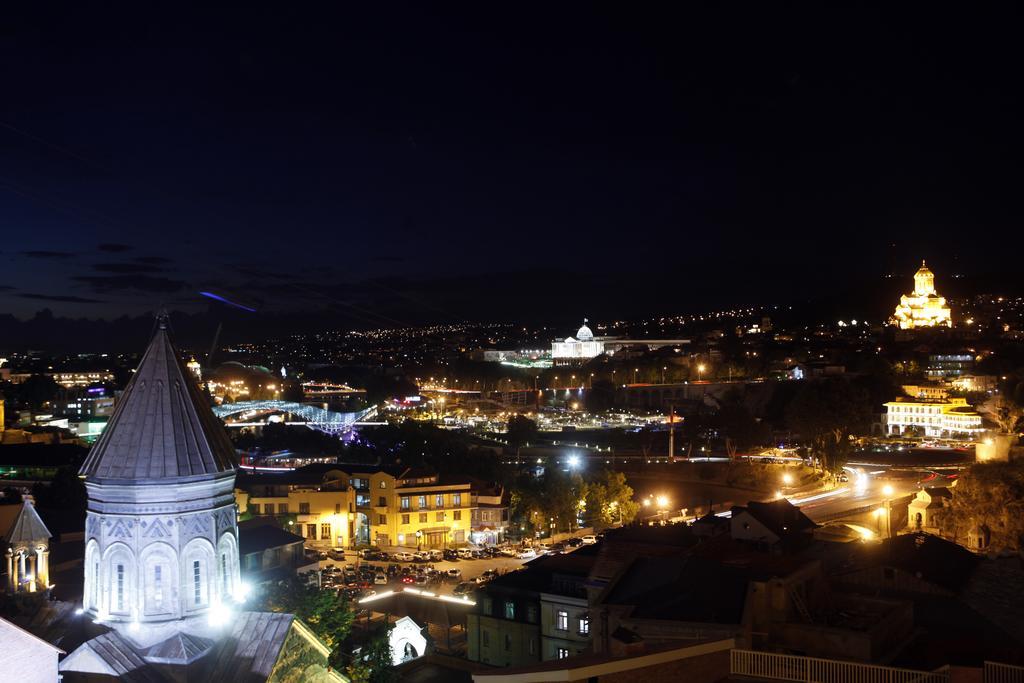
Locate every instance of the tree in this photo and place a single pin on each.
(37, 390)
(738, 425)
(1004, 412)
(327, 613)
(826, 414)
(521, 430)
(374, 663)
(609, 500)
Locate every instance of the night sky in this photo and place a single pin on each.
(432, 161)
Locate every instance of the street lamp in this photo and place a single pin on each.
(887, 491)
(700, 372)
(787, 478)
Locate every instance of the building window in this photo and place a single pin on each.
(303, 508)
(531, 614)
(422, 502)
(485, 637)
(282, 508)
(311, 531)
(96, 585)
(456, 499)
(224, 573)
(584, 625)
(457, 515)
(439, 501)
(562, 620)
(383, 483)
(508, 643)
(533, 646)
(325, 532)
(382, 519)
(439, 516)
(423, 518)
(382, 502)
(488, 606)
(158, 585)
(563, 652)
(405, 502)
(337, 508)
(510, 609)
(197, 585)
(268, 509)
(120, 588)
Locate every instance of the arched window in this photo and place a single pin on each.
(159, 573)
(118, 570)
(227, 565)
(198, 561)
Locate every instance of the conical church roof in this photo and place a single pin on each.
(163, 427)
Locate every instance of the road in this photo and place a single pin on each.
(470, 569)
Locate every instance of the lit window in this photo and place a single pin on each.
(405, 502)
(456, 499)
(563, 652)
(562, 620)
(439, 501)
(422, 502)
(584, 624)
(510, 610)
(158, 585)
(120, 588)
(325, 532)
(197, 584)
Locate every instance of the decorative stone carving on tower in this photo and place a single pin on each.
(161, 537)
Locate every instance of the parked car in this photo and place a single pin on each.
(465, 553)
(380, 579)
(436, 555)
(403, 557)
(574, 542)
(454, 574)
(422, 556)
(508, 551)
(488, 575)
(464, 589)
(559, 547)
(450, 555)
(589, 539)
(321, 555)
(421, 579)
(408, 579)
(393, 569)
(336, 554)
(542, 548)
(526, 554)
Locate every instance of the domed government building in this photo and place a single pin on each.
(163, 598)
(923, 307)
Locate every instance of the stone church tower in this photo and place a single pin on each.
(161, 555)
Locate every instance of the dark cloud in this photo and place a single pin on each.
(114, 248)
(152, 260)
(61, 298)
(260, 273)
(55, 255)
(6, 288)
(140, 283)
(125, 268)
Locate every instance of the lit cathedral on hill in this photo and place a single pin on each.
(923, 307)
(162, 577)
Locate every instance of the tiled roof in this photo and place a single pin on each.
(252, 649)
(163, 427)
(21, 524)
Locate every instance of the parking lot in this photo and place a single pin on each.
(470, 570)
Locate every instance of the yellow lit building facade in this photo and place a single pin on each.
(923, 307)
(951, 417)
(375, 507)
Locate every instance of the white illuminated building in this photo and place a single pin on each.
(161, 542)
(582, 347)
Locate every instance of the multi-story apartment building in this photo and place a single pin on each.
(533, 615)
(490, 516)
(363, 505)
(951, 417)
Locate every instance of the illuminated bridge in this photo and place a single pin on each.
(315, 417)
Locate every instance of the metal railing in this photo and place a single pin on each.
(813, 670)
(994, 672)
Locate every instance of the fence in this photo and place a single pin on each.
(813, 670)
(994, 672)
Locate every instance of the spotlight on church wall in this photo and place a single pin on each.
(219, 614)
(242, 591)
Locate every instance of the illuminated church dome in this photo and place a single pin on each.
(584, 333)
(924, 307)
